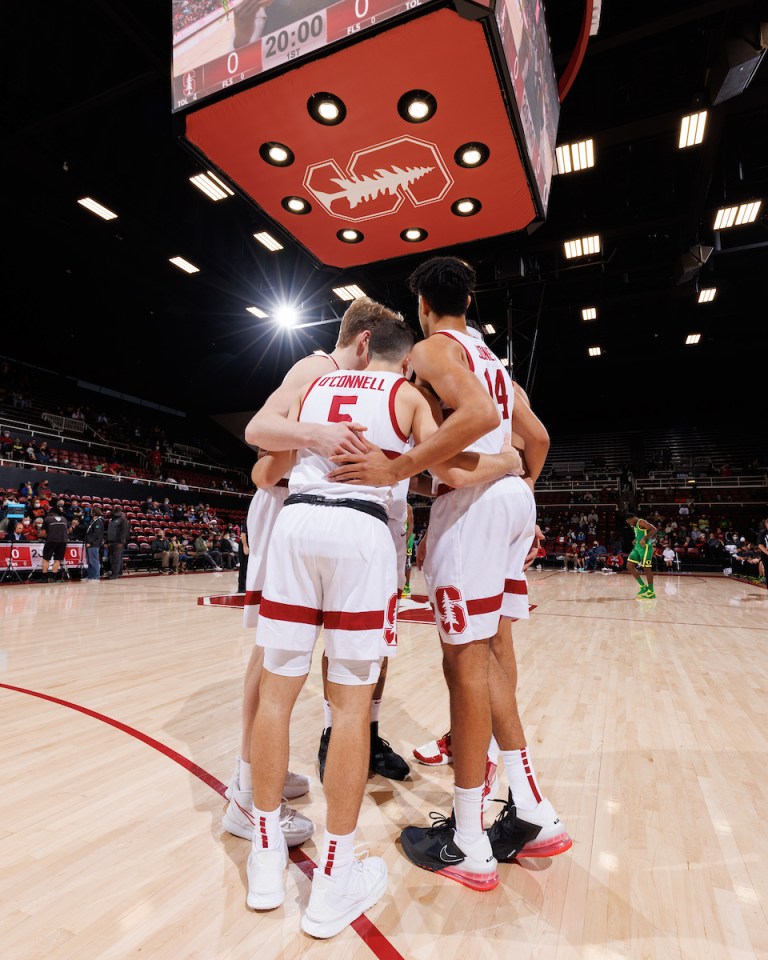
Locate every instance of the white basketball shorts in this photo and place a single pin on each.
(477, 542)
(330, 567)
(262, 514)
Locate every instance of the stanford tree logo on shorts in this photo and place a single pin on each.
(450, 609)
(390, 622)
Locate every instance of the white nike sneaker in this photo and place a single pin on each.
(238, 820)
(296, 784)
(266, 877)
(333, 905)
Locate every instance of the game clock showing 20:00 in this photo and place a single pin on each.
(289, 43)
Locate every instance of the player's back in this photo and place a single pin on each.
(488, 369)
(367, 398)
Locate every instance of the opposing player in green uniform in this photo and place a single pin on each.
(641, 555)
(409, 552)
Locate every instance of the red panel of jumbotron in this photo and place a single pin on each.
(375, 172)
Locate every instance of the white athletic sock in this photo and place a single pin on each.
(493, 751)
(338, 855)
(375, 707)
(244, 781)
(327, 718)
(468, 810)
(522, 778)
(266, 831)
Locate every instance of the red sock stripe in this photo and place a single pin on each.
(519, 587)
(263, 831)
(531, 779)
(330, 858)
(252, 598)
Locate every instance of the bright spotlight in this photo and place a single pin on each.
(286, 315)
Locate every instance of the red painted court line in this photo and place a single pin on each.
(674, 623)
(373, 938)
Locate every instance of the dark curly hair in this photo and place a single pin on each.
(445, 283)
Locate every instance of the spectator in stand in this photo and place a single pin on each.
(615, 562)
(77, 529)
(746, 561)
(669, 557)
(226, 549)
(30, 454)
(176, 552)
(156, 460)
(571, 557)
(36, 529)
(6, 443)
(94, 542)
(684, 510)
(203, 552)
(762, 546)
(118, 532)
(43, 456)
(160, 548)
(56, 533)
(17, 449)
(14, 532)
(166, 508)
(595, 557)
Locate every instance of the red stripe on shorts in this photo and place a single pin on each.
(252, 598)
(291, 612)
(519, 587)
(363, 620)
(486, 605)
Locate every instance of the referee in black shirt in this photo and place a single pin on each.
(56, 531)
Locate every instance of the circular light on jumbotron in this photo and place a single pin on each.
(326, 108)
(276, 154)
(413, 235)
(472, 155)
(296, 205)
(349, 236)
(466, 207)
(417, 106)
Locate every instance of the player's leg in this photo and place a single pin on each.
(634, 568)
(343, 887)
(528, 826)
(650, 593)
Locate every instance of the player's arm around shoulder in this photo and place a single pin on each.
(272, 465)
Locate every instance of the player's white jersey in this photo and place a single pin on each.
(488, 369)
(350, 396)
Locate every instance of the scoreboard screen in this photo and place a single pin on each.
(220, 43)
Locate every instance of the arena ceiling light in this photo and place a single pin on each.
(466, 207)
(572, 157)
(276, 154)
(472, 155)
(735, 216)
(268, 241)
(257, 312)
(589, 313)
(692, 129)
(184, 265)
(488, 328)
(594, 351)
(286, 315)
(101, 211)
(349, 293)
(413, 235)
(326, 108)
(707, 294)
(350, 236)
(296, 205)
(582, 247)
(212, 186)
(417, 106)
(692, 338)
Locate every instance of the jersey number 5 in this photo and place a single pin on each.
(498, 392)
(334, 414)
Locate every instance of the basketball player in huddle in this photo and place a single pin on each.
(478, 542)
(350, 352)
(330, 563)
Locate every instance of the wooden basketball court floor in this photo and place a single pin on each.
(647, 723)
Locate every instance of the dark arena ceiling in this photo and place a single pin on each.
(86, 111)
